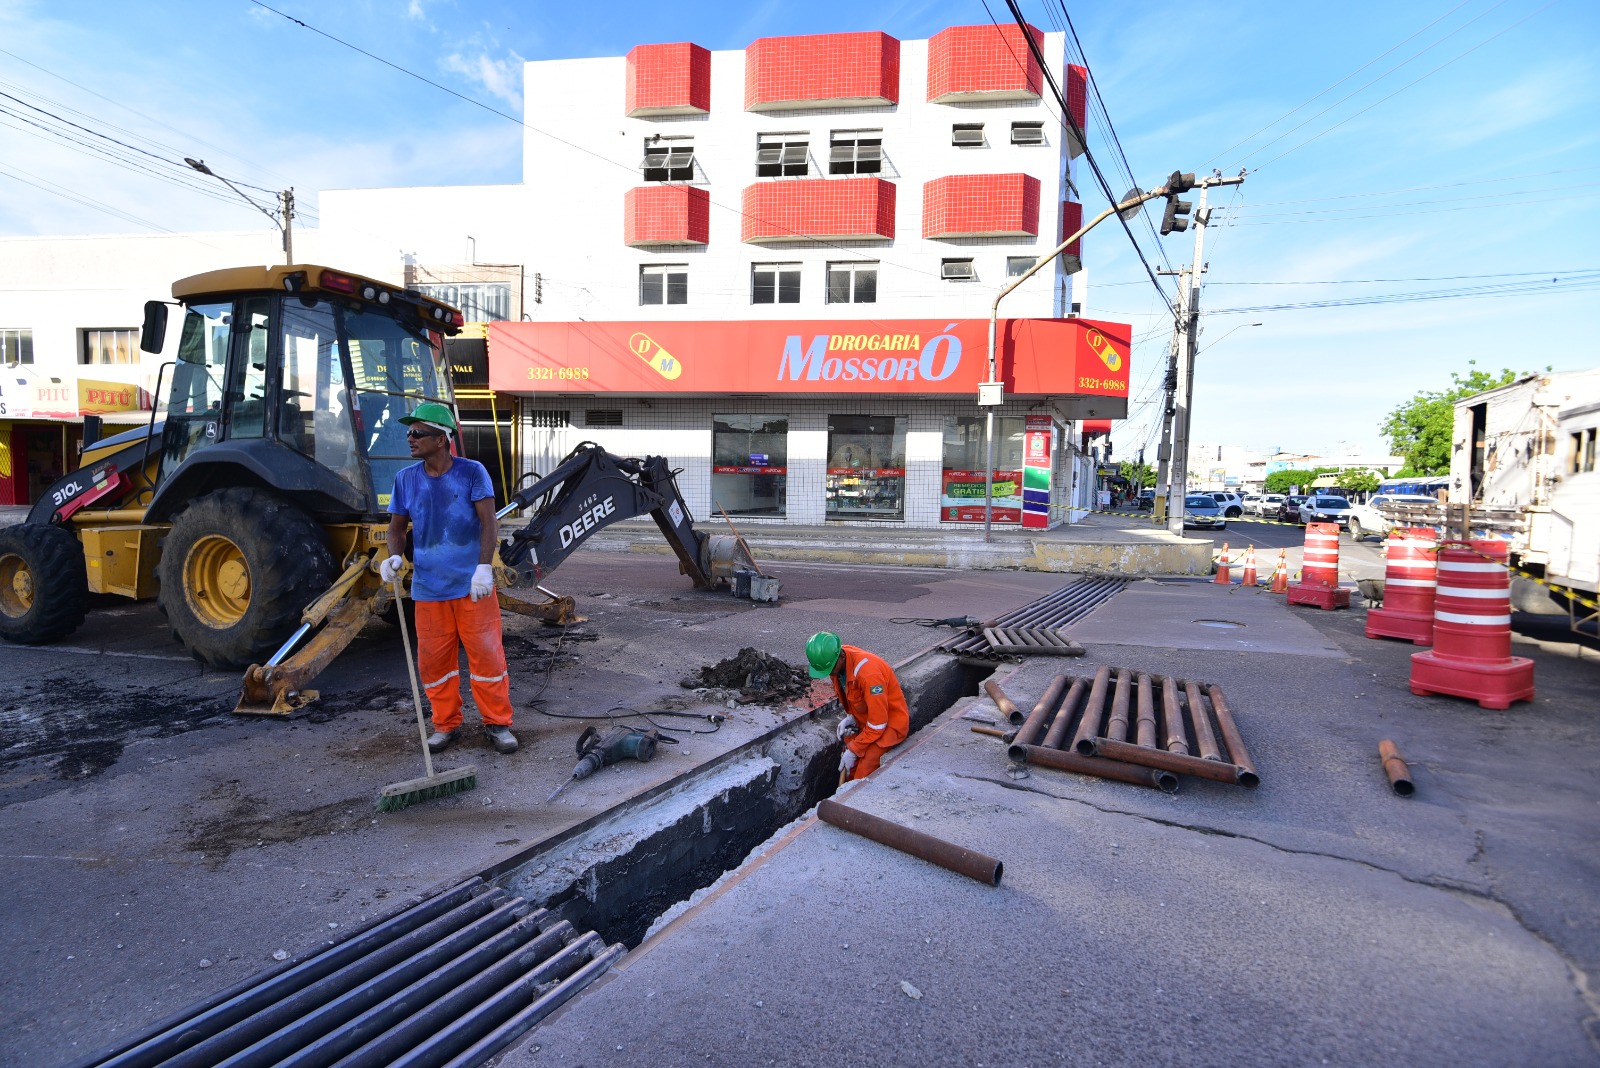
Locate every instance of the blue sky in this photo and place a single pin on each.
(1439, 147)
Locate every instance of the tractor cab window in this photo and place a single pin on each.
(313, 401)
(395, 368)
(247, 386)
(194, 403)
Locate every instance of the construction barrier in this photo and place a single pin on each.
(1471, 654)
(1319, 570)
(1411, 570)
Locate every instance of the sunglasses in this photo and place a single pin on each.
(415, 433)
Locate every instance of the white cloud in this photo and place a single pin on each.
(501, 78)
(414, 11)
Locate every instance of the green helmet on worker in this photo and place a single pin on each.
(433, 414)
(822, 653)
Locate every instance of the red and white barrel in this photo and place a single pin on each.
(1319, 565)
(1472, 602)
(1410, 575)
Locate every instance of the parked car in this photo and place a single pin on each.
(1232, 504)
(1324, 509)
(1202, 511)
(1251, 503)
(1267, 505)
(1366, 519)
(1147, 500)
(1289, 509)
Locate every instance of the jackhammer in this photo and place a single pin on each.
(619, 744)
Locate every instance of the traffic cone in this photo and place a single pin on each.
(1222, 567)
(1250, 567)
(1280, 574)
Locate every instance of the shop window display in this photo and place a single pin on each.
(961, 500)
(866, 467)
(750, 464)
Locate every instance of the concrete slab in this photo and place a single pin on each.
(1201, 615)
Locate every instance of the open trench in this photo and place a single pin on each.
(618, 873)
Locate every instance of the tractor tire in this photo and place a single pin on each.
(237, 569)
(44, 586)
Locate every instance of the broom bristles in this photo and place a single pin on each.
(445, 784)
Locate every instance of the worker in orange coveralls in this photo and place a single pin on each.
(876, 718)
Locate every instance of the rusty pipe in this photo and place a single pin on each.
(1006, 706)
(1070, 707)
(1094, 711)
(962, 861)
(1394, 766)
(1230, 733)
(1033, 729)
(1172, 715)
(1061, 760)
(993, 732)
(1147, 715)
(1204, 737)
(1183, 765)
(1117, 725)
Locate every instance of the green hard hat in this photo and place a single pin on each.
(822, 650)
(431, 412)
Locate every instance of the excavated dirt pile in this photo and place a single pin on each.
(754, 674)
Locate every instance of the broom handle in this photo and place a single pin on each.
(411, 666)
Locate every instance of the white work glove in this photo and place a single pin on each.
(847, 763)
(847, 727)
(482, 581)
(391, 567)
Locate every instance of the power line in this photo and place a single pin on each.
(1587, 281)
(1433, 278)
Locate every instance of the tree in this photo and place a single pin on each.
(1140, 475)
(1280, 481)
(1359, 481)
(1423, 428)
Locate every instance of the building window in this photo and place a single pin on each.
(1027, 133)
(962, 481)
(664, 283)
(1583, 451)
(480, 302)
(866, 467)
(16, 346)
(853, 283)
(957, 271)
(1017, 266)
(782, 155)
(110, 346)
(603, 417)
(855, 152)
(750, 464)
(668, 159)
(967, 135)
(775, 283)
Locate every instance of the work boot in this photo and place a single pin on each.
(504, 741)
(439, 741)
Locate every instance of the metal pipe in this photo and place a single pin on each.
(994, 732)
(1033, 728)
(1230, 734)
(1061, 760)
(170, 1036)
(1177, 737)
(1004, 703)
(1204, 737)
(1117, 726)
(1394, 766)
(1094, 711)
(1146, 734)
(1183, 765)
(962, 861)
(1064, 717)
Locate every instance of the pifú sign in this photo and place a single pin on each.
(1036, 357)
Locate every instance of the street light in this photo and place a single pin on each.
(1225, 337)
(285, 203)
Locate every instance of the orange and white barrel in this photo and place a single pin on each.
(1410, 575)
(1471, 654)
(1319, 566)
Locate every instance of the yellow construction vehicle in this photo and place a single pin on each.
(253, 511)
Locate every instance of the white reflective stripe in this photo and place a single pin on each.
(1409, 582)
(1453, 565)
(441, 678)
(857, 671)
(1411, 543)
(487, 678)
(877, 726)
(1481, 621)
(1411, 565)
(1474, 593)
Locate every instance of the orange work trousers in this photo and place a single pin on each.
(443, 629)
(868, 762)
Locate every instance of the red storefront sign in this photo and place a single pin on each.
(1036, 357)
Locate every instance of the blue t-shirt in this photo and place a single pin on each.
(444, 525)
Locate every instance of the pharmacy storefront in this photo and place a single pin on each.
(807, 422)
(41, 426)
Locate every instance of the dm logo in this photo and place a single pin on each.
(647, 349)
(1102, 348)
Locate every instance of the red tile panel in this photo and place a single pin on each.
(666, 215)
(669, 79)
(818, 207)
(983, 63)
(981, 205)
(821, 70)
(1071, 223)
(1077, 90)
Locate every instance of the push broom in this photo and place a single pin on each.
(399, 795)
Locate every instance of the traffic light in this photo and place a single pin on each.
(1177, 216)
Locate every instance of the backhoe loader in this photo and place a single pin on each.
(254, 510)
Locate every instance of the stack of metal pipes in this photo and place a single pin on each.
(1129, 726)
